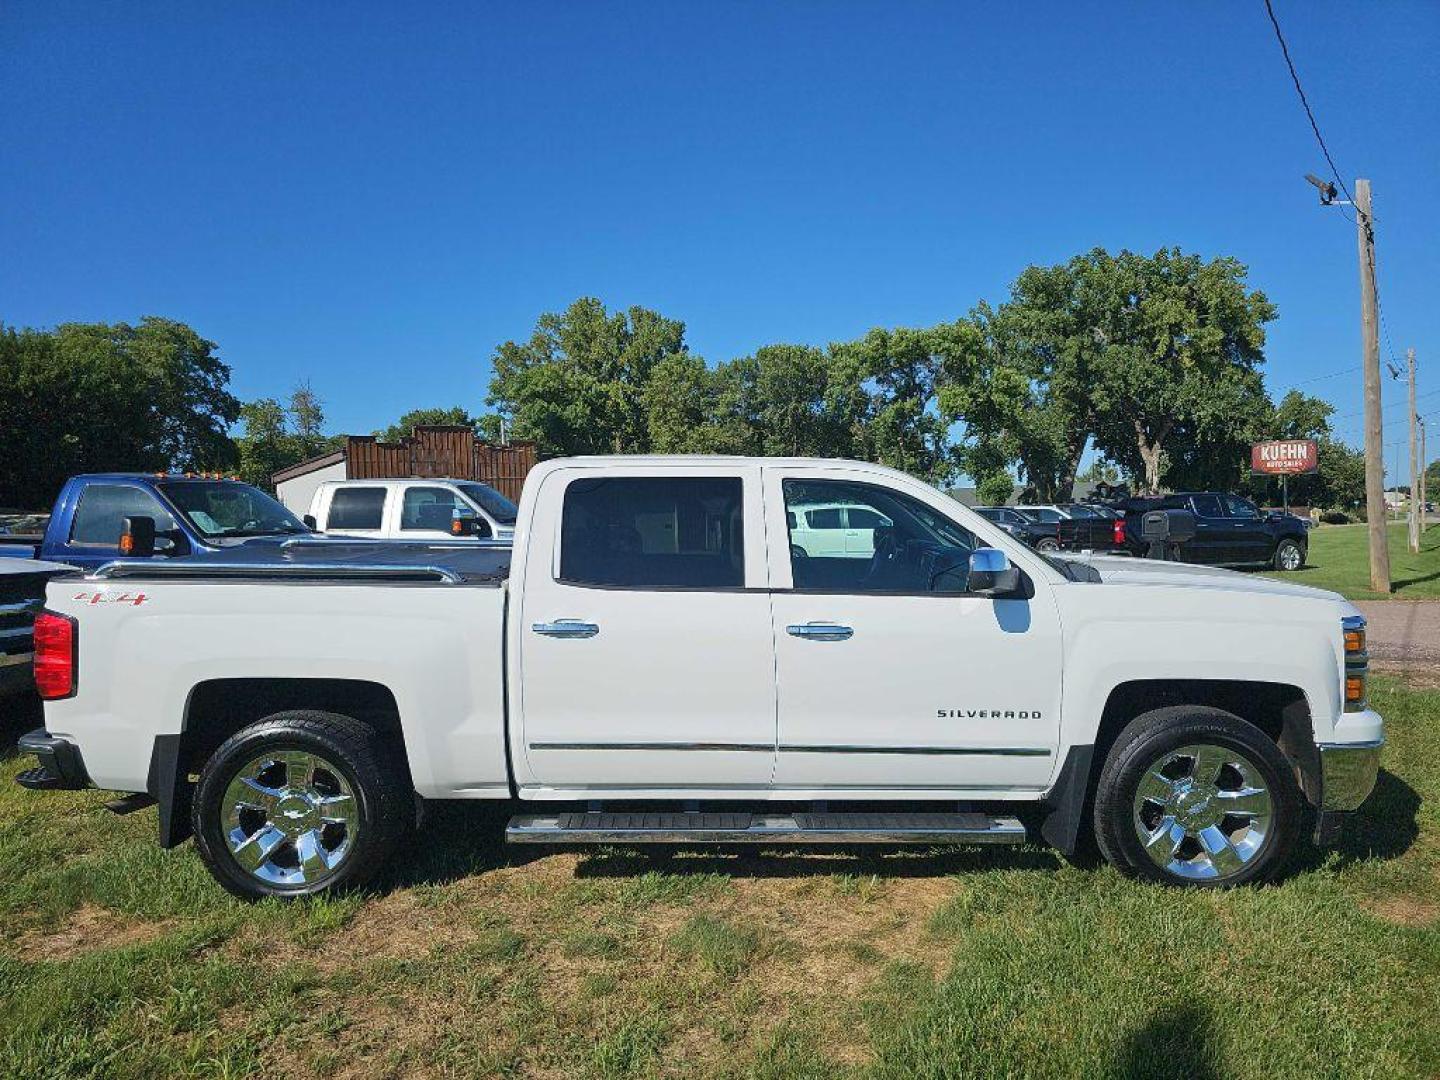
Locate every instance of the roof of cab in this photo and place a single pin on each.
(650, 461)
(154, 476)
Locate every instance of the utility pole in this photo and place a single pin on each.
(1415, 509)
(1424, 495)
(1374, 431)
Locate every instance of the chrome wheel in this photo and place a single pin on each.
(289, 817)
(1289, 557)
(1203, 811)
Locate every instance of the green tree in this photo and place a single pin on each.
(996, 385)
(1175, 381)
(88, 397)
(894, 379)
(454, 416)
(995, 489)
(278, 435)
(1154, 359)
(578, 384)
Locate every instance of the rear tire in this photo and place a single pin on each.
(300, 803)
(1192, 795)
(1288, 556)
(1047, 545)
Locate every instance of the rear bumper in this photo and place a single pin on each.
(1347, 773)
(61, 767)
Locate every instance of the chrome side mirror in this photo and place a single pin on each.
(992, 575)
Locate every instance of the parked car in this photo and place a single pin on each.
(190, 515)
(411, 510)
(1229, 531)
(834, 530)
(655, 639)
(1042, 536)
(22, 595)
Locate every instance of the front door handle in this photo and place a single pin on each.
(566, 628)
(820, 631)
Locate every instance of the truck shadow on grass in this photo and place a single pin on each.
(1385, 827)
(467, 839)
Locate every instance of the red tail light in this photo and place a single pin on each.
(56, 639)
(1119, 532)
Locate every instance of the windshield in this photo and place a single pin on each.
(491, 501)
(225, 508)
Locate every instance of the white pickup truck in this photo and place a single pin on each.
(414, 510)
(655, 660)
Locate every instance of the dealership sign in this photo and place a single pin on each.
(1284, 457)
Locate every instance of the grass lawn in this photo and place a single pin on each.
(119, 960)
(1339, 559)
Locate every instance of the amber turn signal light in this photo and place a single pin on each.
(1355, 688)
(1354, 641)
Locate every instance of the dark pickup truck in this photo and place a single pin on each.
(1229, 531)
(1091, 528)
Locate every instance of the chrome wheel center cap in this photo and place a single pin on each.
(1193, 806)
(295, 812)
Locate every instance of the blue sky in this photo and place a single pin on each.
(372, 196)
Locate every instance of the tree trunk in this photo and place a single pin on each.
(1150, 449)
(1065, 489)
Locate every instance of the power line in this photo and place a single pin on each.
(1335, 172)
(1295, 77)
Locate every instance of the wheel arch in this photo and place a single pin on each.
(1280, 710)
(217, 708)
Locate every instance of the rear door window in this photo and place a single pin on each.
(103, 509)
(654, 532)
(356, 508)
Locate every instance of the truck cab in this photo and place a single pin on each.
(191, 514)
(412, 509)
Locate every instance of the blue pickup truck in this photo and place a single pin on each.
(190, 515)
(100, 517)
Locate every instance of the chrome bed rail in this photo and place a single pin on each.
(267, 571)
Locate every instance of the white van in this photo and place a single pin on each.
(412, 509)
(834, 530)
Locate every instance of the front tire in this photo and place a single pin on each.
(1196, 796)
(1048, 545)
(1288, 556)
(300, 803)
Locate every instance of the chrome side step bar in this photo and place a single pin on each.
(716, 828)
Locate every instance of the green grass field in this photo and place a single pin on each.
(1339, 559)
(119, 960)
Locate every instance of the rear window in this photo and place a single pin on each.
(356, 508)
(1041, 515)
(654, 532)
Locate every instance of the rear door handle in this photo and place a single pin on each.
(820, 631)
(566, 628)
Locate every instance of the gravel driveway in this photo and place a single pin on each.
(1404, 633)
